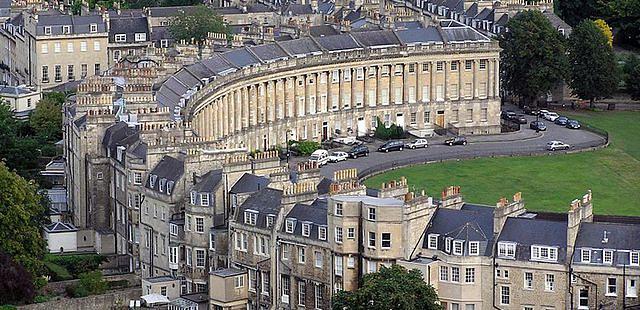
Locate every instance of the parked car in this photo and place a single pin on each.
(530, 111)
(551, 116)
(520, 119)
(357, 151)
(347, 140)
(573, 124)
(338, 156)
(418, 143)
(562, 120)
(321, 157)
(542, 113)
(457, 140)
(557, 145)
(393, 145)
(538, 125)
(507, 115)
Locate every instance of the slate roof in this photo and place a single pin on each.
(526, 232)
(462, 34)
(419, 36)
(376, 38)
(266, 201)
(79, 24)
(159, 279)
(620, 236)
(209, 181)
(5, 8)
(341, 42)
(169, 11)
(14, 90)
(170, 169)
(119, 134)
(486, 14)
(557, 22)
(228, 272)
(59, 227)
(315, 214)
(408, 25)
(294, 9)
(240, 58)
(249, 183)
(470, 223)
(304, 46)
(129, 26)
(322, 30)
(269, 52)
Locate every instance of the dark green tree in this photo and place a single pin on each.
(533, 59)
(385, 133)
(196, 25)
(46, 120)
(390, 288)
(19, 150)
(16, 283)
(594, 72)
(632, 76)
(574, 11)
(22, 215)
(624, 16)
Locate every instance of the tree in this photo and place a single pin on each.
(632, 76)
(574, 11)
(22, 215)
(196, 25)
(593, 65)
(624, 15)
(16, 283)
(385, 133)
(46, 120)
(390, 288)
(532, 40)
(606, 30)
(19, 150)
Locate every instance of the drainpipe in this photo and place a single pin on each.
(493, 276)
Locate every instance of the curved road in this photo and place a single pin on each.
(523, 142)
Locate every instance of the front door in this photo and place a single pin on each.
(362, 128)
(400, 120)
(325, 131)
(440, 119)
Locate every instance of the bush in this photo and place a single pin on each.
(77, 264)
(41, 299)
(384, 133)
(57, 272)
(93, 282)
(76, 291)
(118, 284)
(305, 147)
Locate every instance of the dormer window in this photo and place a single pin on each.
(193, 198)
(152, 180)
(204, 199)
(585, 255)
(93, 28)
(163, 183)
(250, 217)
(66, 29)
(291, 225)
(322, 233)
(447, 244)
(607, 257)
(634, 258)
(506, 250)
(47, 30)
(544, 253)
(139, 37)
(474, 248)
(270, 220)
(433, 241)
(457, 247)
(169, 187)
(306, 229)
(120, 37)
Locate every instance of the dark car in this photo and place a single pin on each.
(457, 140)
(530, 111)
(573, 124)
(357, 151)
(393, 145)
(538, 125)
(520, 119)
(508, 115)
(562, 121)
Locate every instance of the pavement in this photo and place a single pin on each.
(524, 142)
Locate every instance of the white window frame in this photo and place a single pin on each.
(322, 233)
(199, 229)
(527, 284)
(585, 255)
(550, 282)
(634, 258)
(607, 257)
(302, 255)
(502, 295)
(120, 37)
(290, 225)
(632, 290)
(371, 214)
(318, 259)
(609, 291)
(458, 247)
(474, 248)
(433, 241)
(338, 209)
(338, 234)
(204, 199)
(239, 281)
(250, 217)
(506, 250)
(470, 275)
(306, 229)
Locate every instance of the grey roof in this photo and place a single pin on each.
(472, 11)
(315, 214)
(322, 30)
(170, 169)
(196, 297)
(14, 90)
(258, 8)
(470, 223)
(323, 186)
(461, 34)
(209, 181)
(228, 272)
(217, 64)
(302, 46)
(79, 24)
(408, 25)
(339, 42)
(269, 52)
(241, 58)
(620, 236)
(128, 26)
(119, 134)
(294, 9)
(419, 36)
(126, 13)
(376, 38)
(159, 279)
(526, 232)
(249, 183)
(59, 227)
(502, 21)
(326, 7)
(266, 201)
(486, 14)
(557, 22)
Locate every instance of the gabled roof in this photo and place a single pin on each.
(128, 26)
(209, 181)
(470, 223)
(472, 11)
(249, 183)
(169, 168)
(119, 134)
(526, 232)
(266, 201)
(314, 214)
(59, 227)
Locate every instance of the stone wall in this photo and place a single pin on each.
(113, 300)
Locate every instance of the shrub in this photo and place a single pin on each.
(307, 147)
(393, 132)
(118, 284)
(77, 264)
(57, 272)
(93, 282)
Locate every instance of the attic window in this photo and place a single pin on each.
(93, 28)
(585, 255)
(250, 217)
(291, 225)
(163, 183)
(193, 198)
(607, 257)
(120, 37)
(152, 180)
(433, 242)
(270, 219)
(47, 30)
(169, 187)
(140, 37)
(506, 250)
(634, 259)
(457, 247)
(66, 29)
(204, 199)
(474, 248)
(306, 229)
(322, 233)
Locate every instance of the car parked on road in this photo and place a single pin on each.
(551, 116)
(542, 113)
(508, 115)
(338, 156)
(320, 157)
(530, 111)
(562, 120)
(358, 150)
(538, 125)
(557, 145)
(457, 140)
(418, 143)
(521, 119)
(573, 124)
(393, 145)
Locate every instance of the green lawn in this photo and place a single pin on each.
(547, 183)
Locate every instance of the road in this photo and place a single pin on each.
(523, 142)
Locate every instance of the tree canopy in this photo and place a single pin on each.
(46, 120)
(624, 15)
(574, 11)
(606, 30)
(594, 72)
(16, 283)
(632, 76)
(531, 39)
(22, 215)
(196, 25)
(390, 288)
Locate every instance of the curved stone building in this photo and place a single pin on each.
(318, 88)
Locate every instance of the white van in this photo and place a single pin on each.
(321, 157)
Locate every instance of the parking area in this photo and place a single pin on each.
(526, 141)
